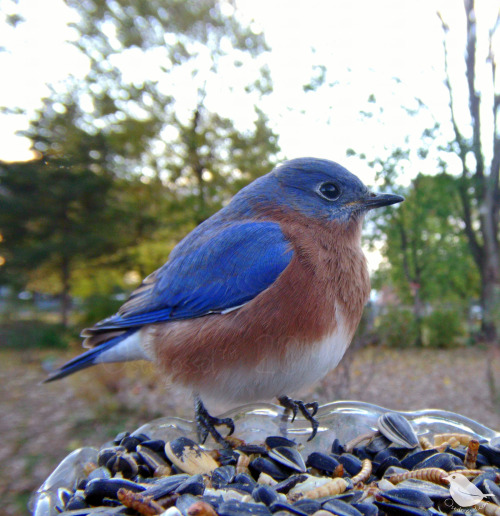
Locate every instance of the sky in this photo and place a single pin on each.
(392, 49)
(389, 48)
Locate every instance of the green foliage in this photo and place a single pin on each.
(98, 307)
(32, 334)
(396, 328)
(50, 210)
(428, 258)
(129, 164)
(460, 147)
(53, 212)
(192, 150)
(214, 160)
(9, 14)
(317, 80)
(443, 329)
(425, 243)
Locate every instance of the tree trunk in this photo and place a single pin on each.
(490, 303)
(202, 206)
(65, 292)
(483, 239)
(490, 274)
(418, 312)
(196, 163)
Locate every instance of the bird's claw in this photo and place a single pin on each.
(308, 410)
(206, 423)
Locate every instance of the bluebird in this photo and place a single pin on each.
(260, 300)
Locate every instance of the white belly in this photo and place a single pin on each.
(272, 378)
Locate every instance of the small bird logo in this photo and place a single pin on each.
(463, 492)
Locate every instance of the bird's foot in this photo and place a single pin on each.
(308, 410)
(206, 423)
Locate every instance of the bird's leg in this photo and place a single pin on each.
(205, 423)
(308, 410)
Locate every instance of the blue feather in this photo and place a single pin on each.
(87, 359)
(226, 269)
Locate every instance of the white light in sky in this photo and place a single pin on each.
(36, 54)
(363, 44)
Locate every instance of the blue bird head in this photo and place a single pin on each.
(316, 188)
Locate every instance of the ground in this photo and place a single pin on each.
(41, 424)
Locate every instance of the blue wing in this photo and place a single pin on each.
(223, 269)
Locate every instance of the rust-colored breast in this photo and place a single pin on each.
(327, 273)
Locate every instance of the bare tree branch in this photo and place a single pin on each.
(470, 62)
(478, 189)
(495, 161)
(463, 148)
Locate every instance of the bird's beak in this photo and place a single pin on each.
(373, 200)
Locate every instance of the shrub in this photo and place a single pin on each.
(396, 327)
(98, 307)
(32, 334)
(444, 328)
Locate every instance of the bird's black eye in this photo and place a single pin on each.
(329, 191)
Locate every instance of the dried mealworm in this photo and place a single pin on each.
(266, 480)
(442, 438)
(234, 441)
(488, 509)
(469, 473)
(89, 467)
(454, 442)
(370, 490)
(425, 443)
(162, 471)
(339, 471)
(471, 454)
(142, 504)
(435, 475)
(333, 487)
(201, 509)
(359, 439)
(364, 474)
(242, 464)
(168, 501)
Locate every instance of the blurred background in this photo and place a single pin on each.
(125, 123)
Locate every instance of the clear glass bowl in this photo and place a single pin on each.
(342, 419)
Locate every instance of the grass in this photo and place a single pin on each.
(40, 425)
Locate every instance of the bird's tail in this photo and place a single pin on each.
(121, 348)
